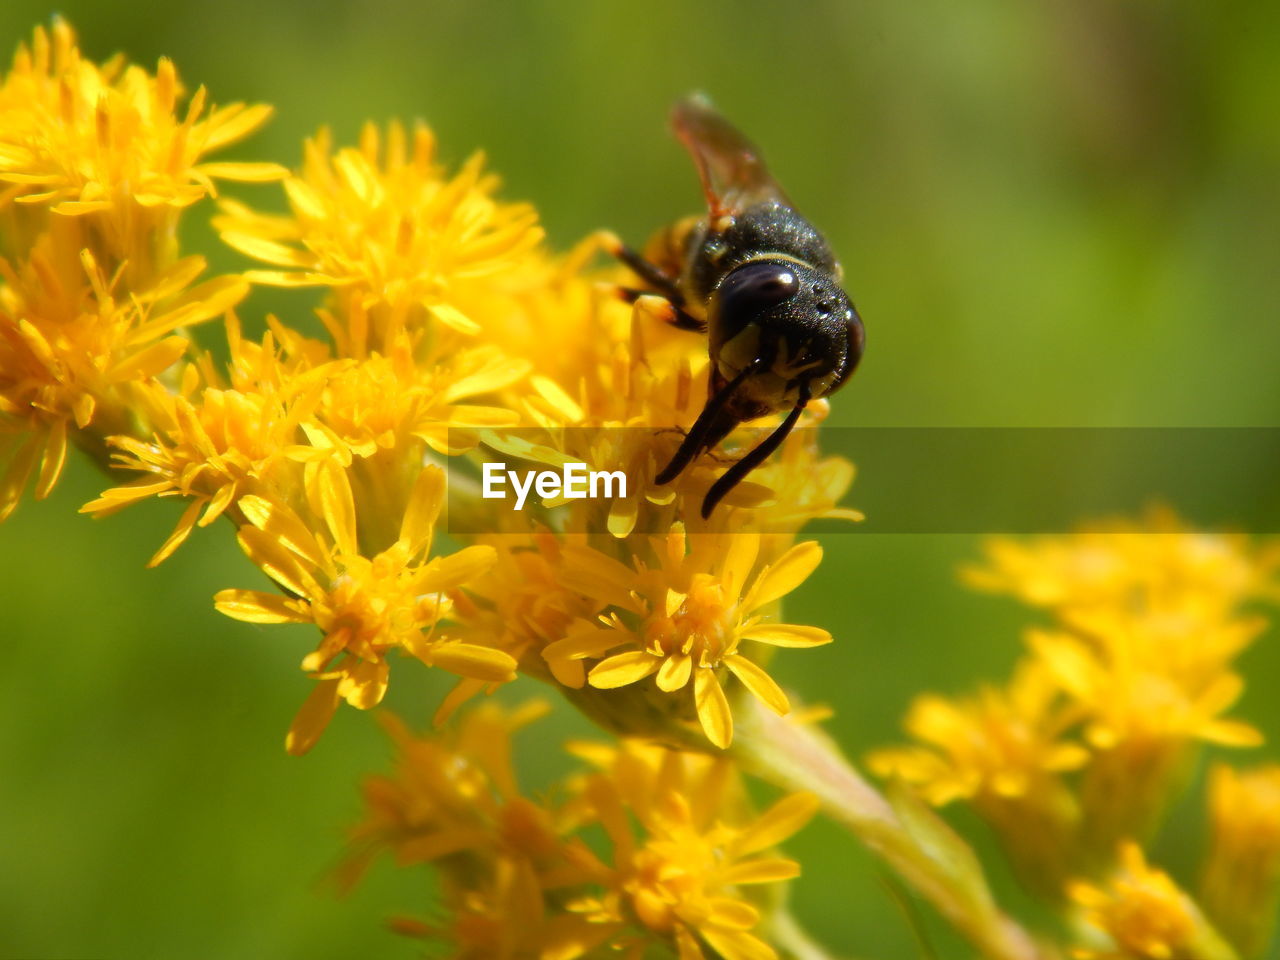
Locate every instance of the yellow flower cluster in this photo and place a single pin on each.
(682, 863)
(95, 167)
(447, 323)
(1078, 755)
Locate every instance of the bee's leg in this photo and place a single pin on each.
(642, 268)
(735, 474)
(707, 430)
(661, 309)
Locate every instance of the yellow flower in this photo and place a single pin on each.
(71, 361)
(1241, 883)
(1003, 743)
(1148, 629)
(107, 142)
(505, 861)
(395, 239)
(1145, 916)
(223, 444)
(681, 880)
(1126, 679)
(447, 793)
(383, 401)
(95, 166)
(366, 607)
(683, 618)
(1142, 714)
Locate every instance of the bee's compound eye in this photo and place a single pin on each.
(757, 286)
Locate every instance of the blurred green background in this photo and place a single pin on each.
(1055, 213)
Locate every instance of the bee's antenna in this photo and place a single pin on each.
(699, 436)
(733, 476)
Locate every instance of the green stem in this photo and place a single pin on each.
(792, 941)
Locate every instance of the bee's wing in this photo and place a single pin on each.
(733, 173)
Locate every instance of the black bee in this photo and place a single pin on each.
(761, 282)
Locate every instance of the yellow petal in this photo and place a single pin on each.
(52, 459)
(733, 914)
(233, 123)
(150, 361)
(622, 669)
(493, 377)
(179, 535)
(583, 640)
(276, 562)
(776, 824)
(739, 559)
(787, 635)
(759, 683)
(337, 505)
(312, 718)
(278, 278)
(268, 250)
(366, 685)
(686, 947)
(783, 576)
(253, 606)
(472, 660)
(116, 497)
(767, 870)
(555, 395)
(713, 707)
(675, 672)
(456, 569)
(283, 525)
(453, 317)
(244, 172)
(424, 507)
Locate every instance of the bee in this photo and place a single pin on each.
(760, 281)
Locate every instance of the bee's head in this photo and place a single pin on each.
(791, 318)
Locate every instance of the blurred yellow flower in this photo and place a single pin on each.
(1240, 888)
(1006, 751)
(683, 853)
(1154, 564)
(1145, 916)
